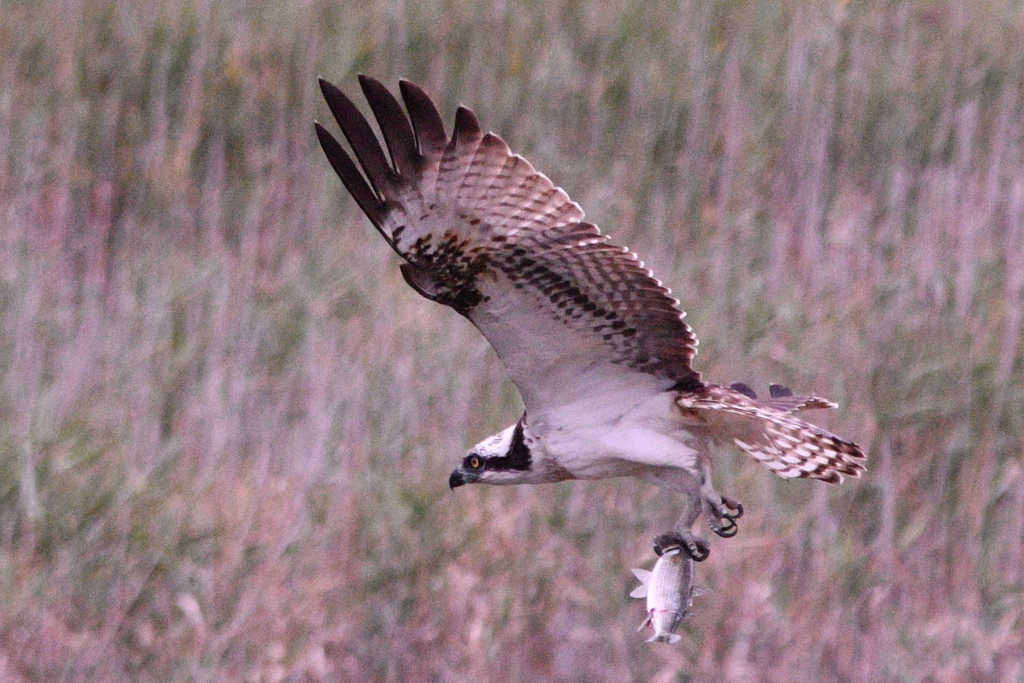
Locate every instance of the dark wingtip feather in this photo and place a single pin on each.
(330, 91)
(779, 391)
(426, 120)
(350, 176)
(359, 135)
(467, 127)
(743, 389)
(394, 124)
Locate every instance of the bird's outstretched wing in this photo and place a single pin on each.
(482, 231)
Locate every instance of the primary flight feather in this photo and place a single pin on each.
(596, 345)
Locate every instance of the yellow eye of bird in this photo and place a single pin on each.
(474, 462)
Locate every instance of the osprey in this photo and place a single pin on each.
(596, 345)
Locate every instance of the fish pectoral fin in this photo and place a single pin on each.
(645, 624)
(645, 579)
(643, 574)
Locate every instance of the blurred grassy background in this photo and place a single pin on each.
(227, 424)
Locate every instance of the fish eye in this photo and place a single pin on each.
(474, 462)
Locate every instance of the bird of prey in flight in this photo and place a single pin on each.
(595, 344)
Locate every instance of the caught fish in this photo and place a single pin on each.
(668, 589)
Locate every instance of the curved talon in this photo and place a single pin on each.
(698, 550)
(733, 505)
(695, 547)
(727, 530)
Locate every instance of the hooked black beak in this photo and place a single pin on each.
(459, 477)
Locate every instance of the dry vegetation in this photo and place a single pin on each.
(227, 423)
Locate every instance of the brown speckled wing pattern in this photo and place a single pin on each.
(475, 221)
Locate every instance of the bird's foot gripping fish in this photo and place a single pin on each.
(668, 588)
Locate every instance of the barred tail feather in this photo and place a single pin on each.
(787, 445)
(793, 448)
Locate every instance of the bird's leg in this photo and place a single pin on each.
(721, 512)
(690, 484)
(695, 546)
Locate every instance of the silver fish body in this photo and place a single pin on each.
(669, 592)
